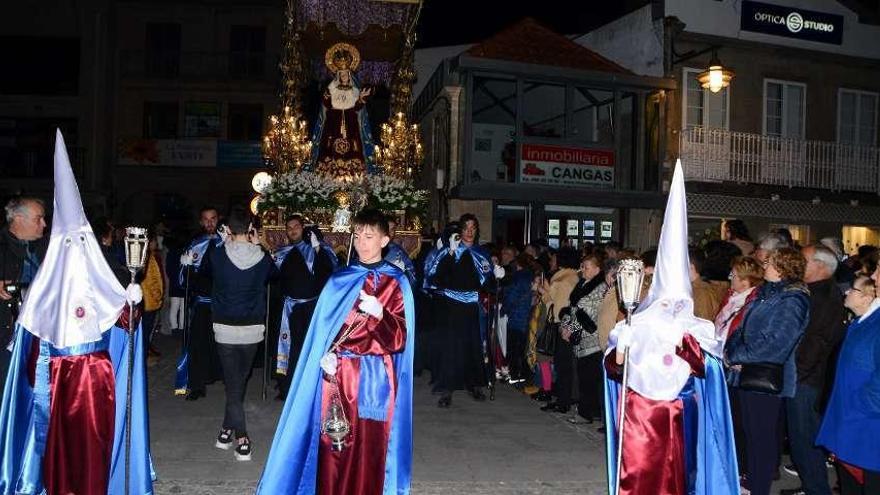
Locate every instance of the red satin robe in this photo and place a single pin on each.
(360, 466)
(653, 445)
(82, 415)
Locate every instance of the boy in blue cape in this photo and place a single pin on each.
(347, 422)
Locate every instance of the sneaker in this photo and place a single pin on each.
(224, 439)
(790, 469)
(243, 449)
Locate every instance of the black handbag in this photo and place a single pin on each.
(546, 341)
(761, 377)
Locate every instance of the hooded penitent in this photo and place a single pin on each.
(62, 419)
(675, 384)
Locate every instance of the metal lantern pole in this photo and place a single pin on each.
(630, 275)
(136, 244)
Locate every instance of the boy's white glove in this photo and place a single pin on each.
(370, 305)
(134, 294)
(329, 363)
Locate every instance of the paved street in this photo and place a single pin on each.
(504, 447)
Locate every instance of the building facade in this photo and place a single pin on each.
(541, 137)
(793, 141)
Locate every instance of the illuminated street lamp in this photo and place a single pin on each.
(716, 77)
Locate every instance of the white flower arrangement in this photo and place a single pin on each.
(389, 194)
(300, 191)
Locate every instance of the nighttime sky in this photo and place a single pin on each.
(452, 22)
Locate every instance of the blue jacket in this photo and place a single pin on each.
(771, 330)
(516, 300)
(854, 409)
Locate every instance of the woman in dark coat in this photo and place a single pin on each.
(771, 330)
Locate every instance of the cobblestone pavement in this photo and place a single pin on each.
(506, 447)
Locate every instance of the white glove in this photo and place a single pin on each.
(314, 240)
(186, 259)
(499, 271)
(454, 241)
(134, 294)
(625, 336)
(329, 363)
(370, 305)
(439, 243)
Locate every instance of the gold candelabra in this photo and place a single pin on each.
(286, 143)
(401, 151)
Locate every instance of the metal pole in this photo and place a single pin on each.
(622, 408)
(266, 344)
(128, 392)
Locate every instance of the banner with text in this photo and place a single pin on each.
(168, 152)
(566, 166)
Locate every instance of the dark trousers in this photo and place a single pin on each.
(589, 370)
(5, 358)
(849, 485)
(236, 361)
(203, 362)
(760, 419)
(563, 361)
(148, 322)
(516, 353)
(803, 426)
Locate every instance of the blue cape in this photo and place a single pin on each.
(21, 452)
(292, 466)
(712, 459)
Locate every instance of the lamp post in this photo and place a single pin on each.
(136, 244)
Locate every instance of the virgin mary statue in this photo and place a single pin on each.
(345, 146)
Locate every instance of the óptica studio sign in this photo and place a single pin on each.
(791, 22)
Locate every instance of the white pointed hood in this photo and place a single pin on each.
(667, 313)
(74, 297)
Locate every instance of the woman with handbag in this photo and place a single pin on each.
(579, 329)
(556, 294)
(761, 362)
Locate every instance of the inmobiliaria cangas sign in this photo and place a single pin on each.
(566, 166)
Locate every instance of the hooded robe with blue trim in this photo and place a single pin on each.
(298, 451)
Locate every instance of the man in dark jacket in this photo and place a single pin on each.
(823, 334)
(21, 251)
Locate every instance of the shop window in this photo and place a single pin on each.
(160, 119)
(592, 114)
(201, 119)
(855, 236)
(493, 117)
(544, 110)
(245, 122)
(800, 234)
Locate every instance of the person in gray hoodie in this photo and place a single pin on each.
(240, 270)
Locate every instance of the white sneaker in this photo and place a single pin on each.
(224, 440)
(243, 449)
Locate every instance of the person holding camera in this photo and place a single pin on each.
(21, 251)
(239, 271)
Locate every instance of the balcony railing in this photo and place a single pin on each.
(716, 155)
(239, 65)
